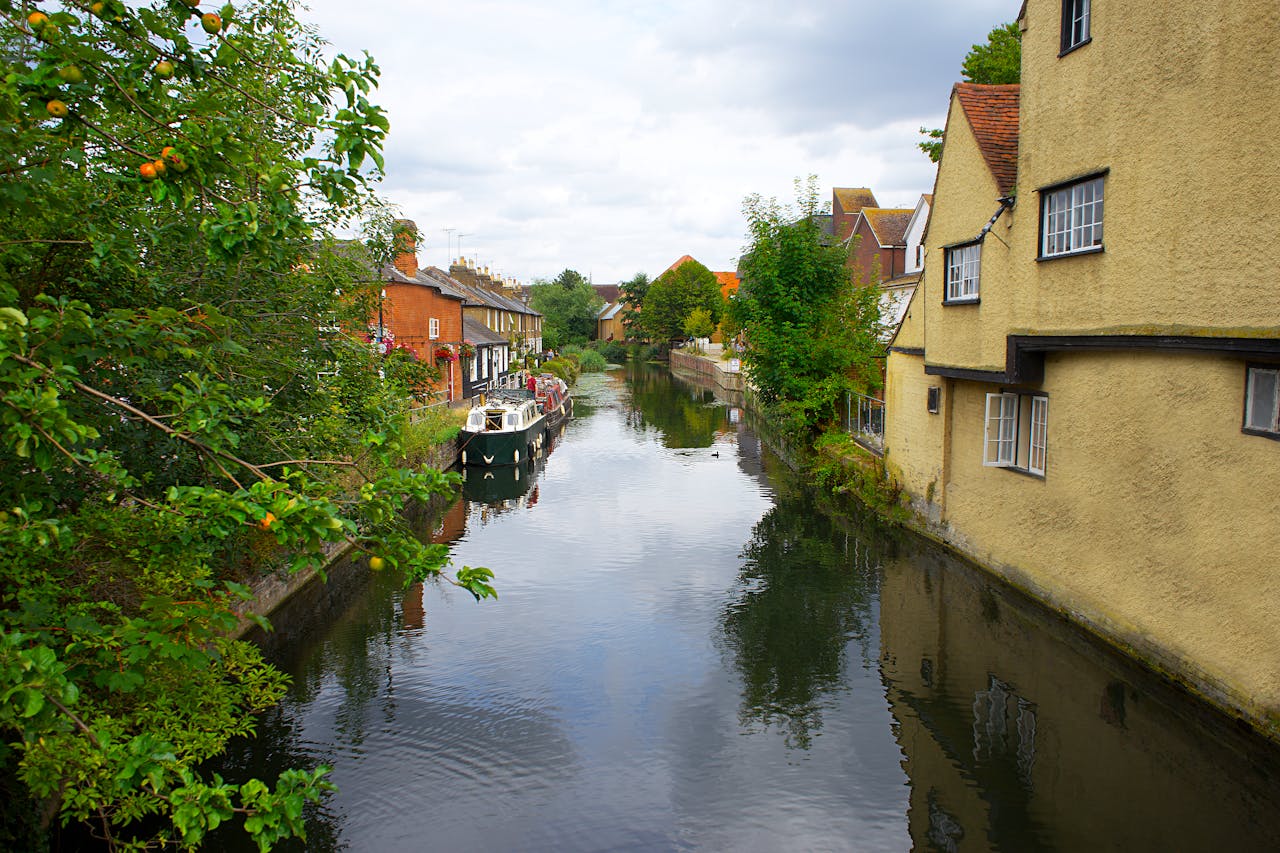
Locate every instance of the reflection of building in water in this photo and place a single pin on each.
(452, 524)
(412, 610)
(1018, 734)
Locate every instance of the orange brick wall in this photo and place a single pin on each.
(406, 312)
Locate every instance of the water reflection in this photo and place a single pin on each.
(1020, 734)
(685, 415)
(808, 593)
(692, 651)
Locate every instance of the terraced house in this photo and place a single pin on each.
(1084, 395)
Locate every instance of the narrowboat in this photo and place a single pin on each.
(504, 428)
(553, 397)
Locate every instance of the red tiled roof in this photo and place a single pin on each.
(681, 261)
(992, 112)
(728, 282)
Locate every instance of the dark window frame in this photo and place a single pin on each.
(1046, 192)
(934, 400)
(1068, 42)
(947, 298)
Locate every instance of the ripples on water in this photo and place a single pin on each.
(689, 654)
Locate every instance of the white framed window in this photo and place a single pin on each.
(1071, 218)
(1002, 425)
(963, 263)
(1038, 440)
(433, 328)
(1017, 432)
(1075, 23)
(1262, 401)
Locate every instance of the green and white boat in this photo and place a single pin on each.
(505, 428)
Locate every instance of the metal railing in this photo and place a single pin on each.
(864, 420)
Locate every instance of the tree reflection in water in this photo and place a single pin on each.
(810, 589)
(685, 415)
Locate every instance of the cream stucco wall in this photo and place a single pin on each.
(965, 197)
(1155, 520)
(1179, 101)
(913, 436)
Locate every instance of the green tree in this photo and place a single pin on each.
(674, 295)
(811, 335)
(633, 293)
(699, 324)
(569, 305)
(178, 396)
(995, 62)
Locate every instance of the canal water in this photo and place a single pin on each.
(692, 651)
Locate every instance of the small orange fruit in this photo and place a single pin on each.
(57, 109)
(37, 20)
(147, 171)
(211, 23)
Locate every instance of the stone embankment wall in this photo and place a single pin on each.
(716, 371)
(276, 587)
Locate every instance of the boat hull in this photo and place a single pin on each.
(491, 448)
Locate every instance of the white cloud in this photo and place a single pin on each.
(614, 137)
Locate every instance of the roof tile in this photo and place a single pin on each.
(992, 112)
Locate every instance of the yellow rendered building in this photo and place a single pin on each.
(1084, 396)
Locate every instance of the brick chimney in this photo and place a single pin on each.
(403, 232)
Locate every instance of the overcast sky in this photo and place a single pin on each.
(613, 137)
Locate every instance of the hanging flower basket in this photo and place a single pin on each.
(445, 354)
(466, 350)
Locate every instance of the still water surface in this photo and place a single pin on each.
(690, 653)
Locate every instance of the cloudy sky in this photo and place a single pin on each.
(613, 137)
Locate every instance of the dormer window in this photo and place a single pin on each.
(1075, 24)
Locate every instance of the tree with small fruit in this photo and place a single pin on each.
(167, 385)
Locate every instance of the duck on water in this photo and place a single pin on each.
(510, 425)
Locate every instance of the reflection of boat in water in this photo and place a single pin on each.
(492, 485)
(508, 486)
(503, 428)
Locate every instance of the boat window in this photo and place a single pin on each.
(511, 420)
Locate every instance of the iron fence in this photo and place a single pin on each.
(864, 420)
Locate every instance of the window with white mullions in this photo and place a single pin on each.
(1071, 218)
(1039, 431)
(1017, 430)
(963, 266)
(1262, 401)
(1002, 425)
(1075, 23)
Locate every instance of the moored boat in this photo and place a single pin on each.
(504, 428)
(553, 398)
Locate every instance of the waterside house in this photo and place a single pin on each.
(1083, 395)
